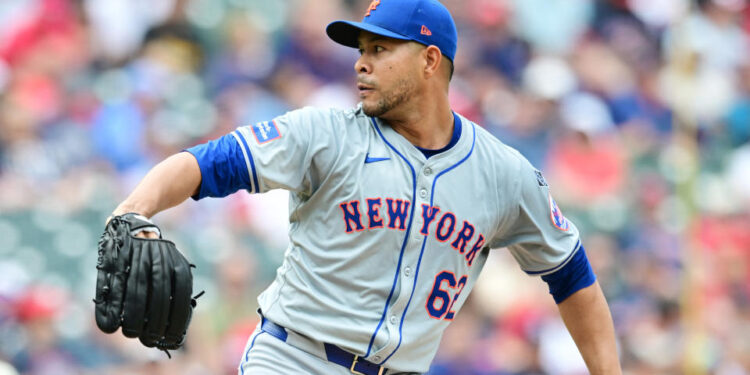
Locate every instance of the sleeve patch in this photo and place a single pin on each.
(540, 179)
(266, 132)
(558, 220)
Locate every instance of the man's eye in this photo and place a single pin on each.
(379, 49)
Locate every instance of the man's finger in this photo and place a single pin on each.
(146, 234)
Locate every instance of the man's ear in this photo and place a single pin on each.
(433, 58)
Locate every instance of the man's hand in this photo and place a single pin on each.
(144, 284)
(140, 234)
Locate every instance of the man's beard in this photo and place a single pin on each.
(390, 100)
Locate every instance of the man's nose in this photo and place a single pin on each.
(362, 66)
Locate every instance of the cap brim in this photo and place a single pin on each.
(347, 32)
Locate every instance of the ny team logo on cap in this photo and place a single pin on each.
(424, 21)
(373, 5)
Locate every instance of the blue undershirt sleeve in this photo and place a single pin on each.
(572, 277)
(223, 167)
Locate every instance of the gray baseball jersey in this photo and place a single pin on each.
(386, 244)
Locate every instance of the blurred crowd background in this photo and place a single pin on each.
(637, 111)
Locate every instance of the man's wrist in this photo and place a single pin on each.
(127, 208)
(124, 208)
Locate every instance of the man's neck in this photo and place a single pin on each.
(427, 126)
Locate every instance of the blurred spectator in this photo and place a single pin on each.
(44, 352)
(228, 322)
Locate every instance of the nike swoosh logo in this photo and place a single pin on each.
(369, 160)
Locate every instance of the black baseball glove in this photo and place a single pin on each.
(144, 285)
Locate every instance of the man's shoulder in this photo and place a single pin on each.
(328, 124)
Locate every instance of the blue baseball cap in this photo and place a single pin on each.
(424, 21)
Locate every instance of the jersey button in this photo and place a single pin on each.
(407, 271)
(376, 358)
(427, 171)
(423, 193)
(394, 319)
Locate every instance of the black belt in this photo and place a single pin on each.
(354, 363)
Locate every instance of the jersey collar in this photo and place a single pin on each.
(459, 146)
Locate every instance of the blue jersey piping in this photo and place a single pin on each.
(563, 263)
(406, 237)
(252, 162)
(421, 252)
(247, 353)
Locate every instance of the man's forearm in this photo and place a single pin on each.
(166, 185)
(589, 322)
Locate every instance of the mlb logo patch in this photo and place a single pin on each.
(266, 132)
(558, 220)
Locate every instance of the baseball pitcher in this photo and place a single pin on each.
(394, 207)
